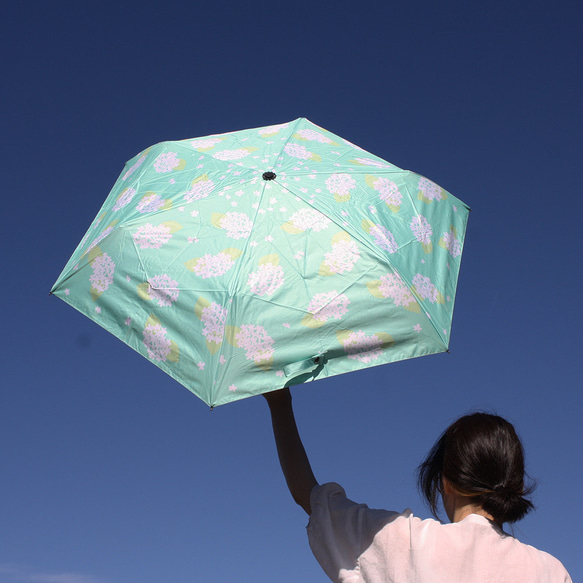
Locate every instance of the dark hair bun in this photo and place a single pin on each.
(506, 506)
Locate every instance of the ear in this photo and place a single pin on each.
(446, 486)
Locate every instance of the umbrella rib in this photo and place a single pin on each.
(420, 301)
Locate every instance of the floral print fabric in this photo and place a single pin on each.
(225, 276)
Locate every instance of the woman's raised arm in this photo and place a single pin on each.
(292, 455)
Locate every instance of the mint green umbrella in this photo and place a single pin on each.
(242, 262)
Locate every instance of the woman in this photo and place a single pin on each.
(476, 466)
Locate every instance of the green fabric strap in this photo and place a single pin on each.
(304, 366)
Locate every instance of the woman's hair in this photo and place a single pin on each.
(481, 456)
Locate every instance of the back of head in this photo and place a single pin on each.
(482, 457)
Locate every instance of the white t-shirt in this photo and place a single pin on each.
(356, 544)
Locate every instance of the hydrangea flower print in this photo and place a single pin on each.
(359, 346)
(213, 318)
(213, 265)
(306, 219)
(138, 163)
(450, 242)
(384, 238)
(391, 286)
(161, 288)
(300, 152)
(340, 186)
(238, 154)
(429, 191)
(158, 346)
(150, 236)
(388, 191)
(168, 161)
(267, 280)
(124, 198)
(313, 136)
(200, 188)
(325, 306)
(426, 290)
(102, 276)
(345, 253)
(422, 231)
(205, 144)
(256, 342)
(150, 203)
(237, 225)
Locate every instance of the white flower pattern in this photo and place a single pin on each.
(393, 287)
(205, 144)
(258, 344)
(157, 344)
(166, 162)
(124, 198)
(103, 270)
(359, 346)
(328, 305)
(308, 218)
(343, 256)
(421, 229)
(237, 225)
(163, 289)
(388, 191)
(213, 318)
(429, 189)
(297, 151)
(425, 288)
(150, 203)
(314, 136)
(199, 189)
(452, 244)
(340, 184)
(266, 280)
(213, 265)
(384, 238)
(152, 236)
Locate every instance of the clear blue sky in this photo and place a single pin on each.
(114, 473)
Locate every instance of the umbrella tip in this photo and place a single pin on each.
(269, 175)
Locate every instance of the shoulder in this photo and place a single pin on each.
(331, 498)
(546, 563)
(333, 511)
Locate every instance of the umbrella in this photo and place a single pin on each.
(242, 262)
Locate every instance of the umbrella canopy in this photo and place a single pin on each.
(242, 262)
